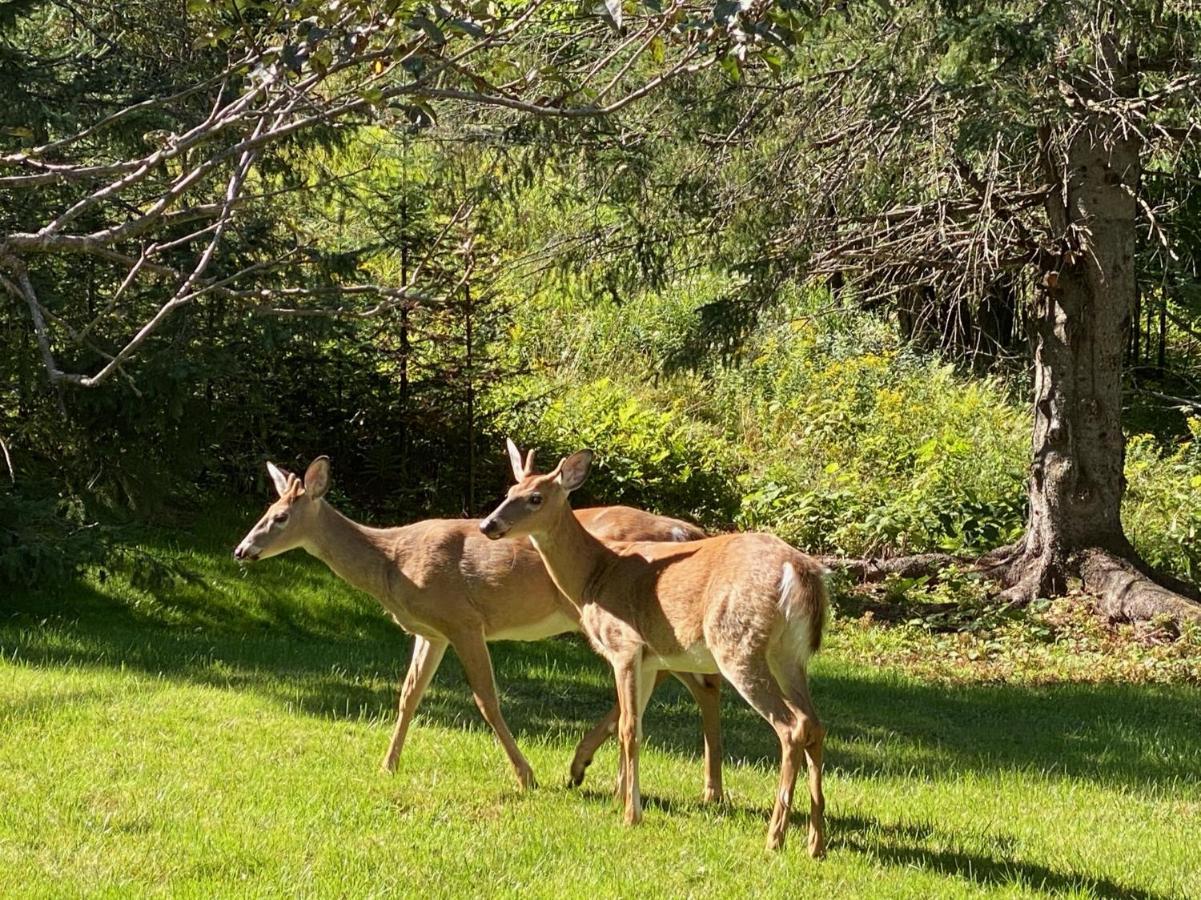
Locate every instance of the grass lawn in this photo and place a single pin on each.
(219, 733)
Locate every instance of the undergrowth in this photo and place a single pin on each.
(823, 428)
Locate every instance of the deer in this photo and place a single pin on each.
(446, 584)
(746, 606)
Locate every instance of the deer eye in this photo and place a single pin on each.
(535, 499)
(280, 518)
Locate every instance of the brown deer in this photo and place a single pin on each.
(443, 582)
(747, 606)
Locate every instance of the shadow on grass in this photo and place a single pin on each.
(887, 844)
(899, 844)
(328, 655)
(879, 724)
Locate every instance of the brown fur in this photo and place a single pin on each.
(737, 604)
(444, 582)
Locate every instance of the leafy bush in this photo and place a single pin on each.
(1162, 508)
(859, 446)
(44, 537)
(828, 432)
(651, 456)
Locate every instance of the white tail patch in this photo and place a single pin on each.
(795, 639)
(678, 533)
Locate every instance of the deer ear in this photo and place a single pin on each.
(574, 469)
(529, 462)
(515, 459)
(279, 478)
(316, 477)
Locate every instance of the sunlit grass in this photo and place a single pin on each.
(221, 735)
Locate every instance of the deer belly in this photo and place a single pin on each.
(696, 658)
(556, 623)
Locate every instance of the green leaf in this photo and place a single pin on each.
(731, 67)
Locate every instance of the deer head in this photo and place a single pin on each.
(535, 501)
(288, 521)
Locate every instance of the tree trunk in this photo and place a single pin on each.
(1080, 328)
(1080, 325)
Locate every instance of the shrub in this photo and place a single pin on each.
(1162, 508)
(829, 432)
(44, 536)
(651, 456)
(859, 446)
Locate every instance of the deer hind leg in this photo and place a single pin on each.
(592, 741)
(427, 655)
(753, 679)
(812, 735)
(706, 690)
(477, 665)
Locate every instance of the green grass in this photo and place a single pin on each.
(219, 734)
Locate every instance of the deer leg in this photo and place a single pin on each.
(477, 665)
(753, 679)
(791, 758)
(592, 741)
(706, 691)
(619, 787)
(427, 655)
(628, 675)
(812, 735)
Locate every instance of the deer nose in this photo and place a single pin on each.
(243, 552)
(493, 528)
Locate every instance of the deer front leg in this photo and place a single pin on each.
(427, 655)
(592, 741)
(477, 665)
(635, 682)
(706, 690)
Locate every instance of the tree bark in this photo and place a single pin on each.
(1123, 592)
(1080, 328)
(1080, 325)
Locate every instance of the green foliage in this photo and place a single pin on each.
(839, 439)
(1162, 507)
(649, 455)
(629, 283)
(829, 432)
(44, 538)
(860, 446)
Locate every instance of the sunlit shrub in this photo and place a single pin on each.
(1162, 509)
(826, 430)
(861, 447)
(649, 456)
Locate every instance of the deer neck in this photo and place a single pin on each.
(571, 555)
(354, 552)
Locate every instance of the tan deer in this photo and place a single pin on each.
(746, 605)
(442, 581)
